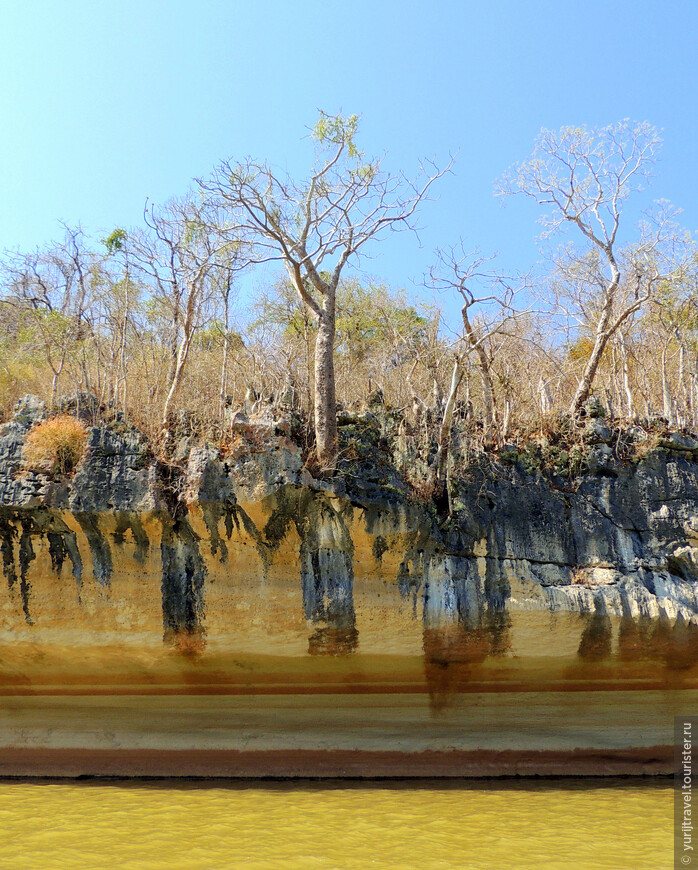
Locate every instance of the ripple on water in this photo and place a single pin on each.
(476, 825)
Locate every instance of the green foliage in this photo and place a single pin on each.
(193, 232)
(115, 241)
(213, 336)
(369, 316)
(43, 327)
(337, 130)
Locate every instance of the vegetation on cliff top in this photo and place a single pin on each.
(150, 323)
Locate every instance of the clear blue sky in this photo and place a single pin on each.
(103, 104)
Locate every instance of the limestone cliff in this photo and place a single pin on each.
(240, 574)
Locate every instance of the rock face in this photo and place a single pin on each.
(621, 542)
(310, 626)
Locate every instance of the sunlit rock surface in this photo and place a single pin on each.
(245, 619)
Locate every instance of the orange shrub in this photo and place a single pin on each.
(55, 446)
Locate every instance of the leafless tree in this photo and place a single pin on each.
(185, 263)
(315, 227)
(586, 176)
(54, 288)
(487, 310)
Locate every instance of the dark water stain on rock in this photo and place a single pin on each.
(102, 566)
(497, 588)
(378, 548)
(8, 534)
(327, 577)
(285, 512)
(183, 576)
(453, 651)
(62, 545)
(235, 515)
(333, 640)
(597, 638)
(412, 571)
(57, 551)
(497, 625)
(129, 520)
(634, 638)
(674, 644)
(450, 652)
(683, 650)
(213, 512)
(26, 557)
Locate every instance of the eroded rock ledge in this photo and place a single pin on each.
(263, 580)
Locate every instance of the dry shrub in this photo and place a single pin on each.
(580, 577)
(55, 446)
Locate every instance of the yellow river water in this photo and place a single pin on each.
(477, 825)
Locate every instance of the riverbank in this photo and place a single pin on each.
(231, 613)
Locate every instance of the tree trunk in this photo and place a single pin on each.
(437, 396)
(613, 391)
(667, 401)
(681, 389)
(584, 388)
(604, 330)
(54, 389)
(545, 396)
(488, 400)
(325, 398)
(224, 381)
(630, 401)
(507, 418)
(310, 377)
(441, 458)
(176, 380)
(122, 351)
(224, 364)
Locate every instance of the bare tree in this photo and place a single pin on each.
(315, 227)
(224, 276)
(586, 176)
(670, 321)
(185, 264)
(119, 297)
(54, 287)
(487, 310)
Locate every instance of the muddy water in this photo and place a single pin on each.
(475, 825)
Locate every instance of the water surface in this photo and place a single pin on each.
(415, 825)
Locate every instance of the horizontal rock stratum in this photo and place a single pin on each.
(243, 618)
